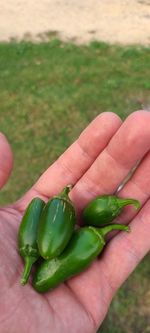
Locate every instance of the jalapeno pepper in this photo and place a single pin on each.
(56, 225)
(27, 236)
(103, 209)
(85, 245)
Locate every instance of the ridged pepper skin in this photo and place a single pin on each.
(104, 209)
(56, 225)
(85, 245)
(27, 236)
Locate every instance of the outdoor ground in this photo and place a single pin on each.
(121, 21)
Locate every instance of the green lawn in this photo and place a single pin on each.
(49, 92)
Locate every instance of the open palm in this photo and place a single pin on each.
(96, 163)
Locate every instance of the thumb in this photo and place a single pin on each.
(6, 160)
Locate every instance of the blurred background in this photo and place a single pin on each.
(61, 64)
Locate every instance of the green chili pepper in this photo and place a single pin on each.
(103, 209)
(56, 225)
(84, 246)
(27, 236)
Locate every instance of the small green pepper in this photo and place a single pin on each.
(27, 236)
(56, 225)
(103, 209)
(84, 246)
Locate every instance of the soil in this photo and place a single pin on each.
(116, 21)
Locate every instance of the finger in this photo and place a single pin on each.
(138, 186)
(72, 164)
(6, 160)
(80, 155)
(129, 144)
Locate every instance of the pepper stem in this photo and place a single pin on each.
(65, 191)
(29, 261)
(124, 202)
(104, 231)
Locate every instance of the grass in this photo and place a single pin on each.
(49, 93)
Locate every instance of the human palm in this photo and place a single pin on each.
(95, 164)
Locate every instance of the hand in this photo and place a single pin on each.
(96, 163)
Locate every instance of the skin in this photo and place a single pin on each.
(95, 163)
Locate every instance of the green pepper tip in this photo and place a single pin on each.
(137, 204)
(29, 261)
(128, 229)
(124, 202)
(23, 281)
(105, 230)
(65, 191)
(68, 188)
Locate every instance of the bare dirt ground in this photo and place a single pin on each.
(114, 21)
